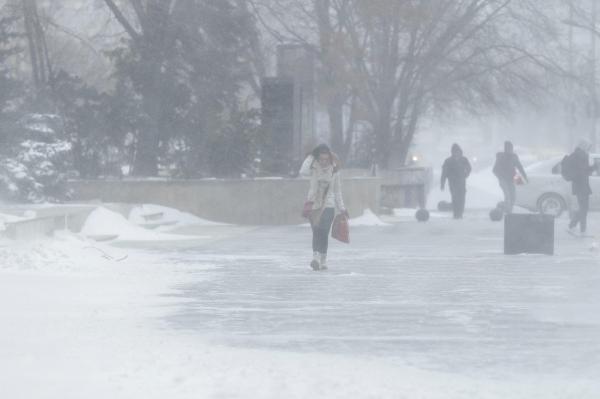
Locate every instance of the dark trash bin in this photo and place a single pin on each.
(528, 234)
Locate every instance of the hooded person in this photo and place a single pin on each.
(456, 170)
(580, 183)
(506, 167)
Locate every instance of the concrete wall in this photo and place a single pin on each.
(406, 187)
(251, 202)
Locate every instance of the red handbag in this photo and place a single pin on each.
(341, 229)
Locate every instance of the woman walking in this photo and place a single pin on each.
(323, 202)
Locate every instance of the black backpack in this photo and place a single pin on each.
(567, 169)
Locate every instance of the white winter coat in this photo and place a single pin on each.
(306, 166)
(322, 179)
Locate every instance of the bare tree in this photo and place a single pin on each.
(41, 66)
(171, 37)
(583, 17)
(396, 61)
(148, 29)
(321, 26)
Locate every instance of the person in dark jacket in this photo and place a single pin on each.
(581, 171)
(506, 167)
(456, 169)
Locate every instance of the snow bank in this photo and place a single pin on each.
(65, 252)
(6, 218)
(103, 222)
(368, 218)
(10, 218)
(170, 217)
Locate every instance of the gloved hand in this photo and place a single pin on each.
(308, 205)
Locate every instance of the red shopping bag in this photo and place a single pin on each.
(341, 229)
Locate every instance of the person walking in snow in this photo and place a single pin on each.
(456, 170)
(506, 167)
(324, 200)
(580, 171)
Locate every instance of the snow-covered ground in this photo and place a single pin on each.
(408, 310)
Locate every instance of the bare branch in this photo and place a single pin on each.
(122, 20)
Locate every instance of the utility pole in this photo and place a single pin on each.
(593, 89)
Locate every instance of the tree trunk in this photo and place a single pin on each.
(409, 132)
(349, 137)
(146, 160)
(335, 110)
(151, 43)
(31, 44)
(332, 85)
(383, 134)
(38, 51)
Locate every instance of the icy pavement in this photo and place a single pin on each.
(439, 296)
(407, 311)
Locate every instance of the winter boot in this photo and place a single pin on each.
(315, 262)
(323, 261)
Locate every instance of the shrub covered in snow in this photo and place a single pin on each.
(35, 167)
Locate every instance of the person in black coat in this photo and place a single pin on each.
(581, 171)
(456, 169)
(505, 169)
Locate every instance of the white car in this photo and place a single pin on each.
(548, 193)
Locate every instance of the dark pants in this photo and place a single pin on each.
(580, 217)
(321, 231)
(458, 193)
(510, 194)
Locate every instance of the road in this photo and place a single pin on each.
(439, 296)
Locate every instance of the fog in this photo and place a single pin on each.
(174, 88)
(299, 199)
